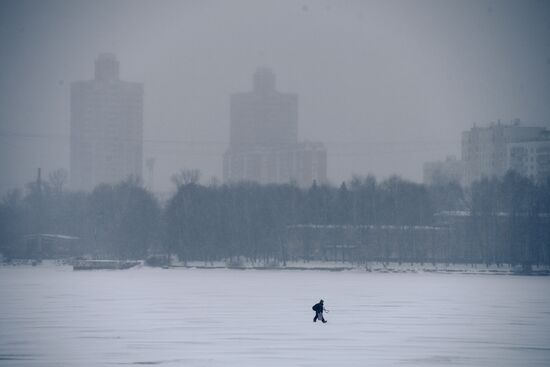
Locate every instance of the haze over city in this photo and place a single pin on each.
(385, 85)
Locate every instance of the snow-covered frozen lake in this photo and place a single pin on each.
(53, 316)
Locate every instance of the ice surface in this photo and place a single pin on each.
(52, 316)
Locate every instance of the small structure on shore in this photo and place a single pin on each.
(104, 264)
(40, 246)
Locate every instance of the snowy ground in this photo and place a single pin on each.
(52, 316)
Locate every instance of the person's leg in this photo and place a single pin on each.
(323, 318)
(316, 316)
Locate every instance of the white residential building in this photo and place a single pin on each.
(484, 149)
(531, 159)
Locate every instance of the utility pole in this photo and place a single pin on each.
(40, 211)
(150, 163)
(39, 199)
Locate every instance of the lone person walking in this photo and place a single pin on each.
(319, 308)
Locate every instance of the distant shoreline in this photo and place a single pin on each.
(370, 267)
(390, 268)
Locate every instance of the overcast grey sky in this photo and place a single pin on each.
(386, 85)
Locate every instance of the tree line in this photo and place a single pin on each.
(507, 218)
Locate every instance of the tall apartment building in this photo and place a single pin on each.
(106, 127)
(484, 149)
(264, 143)
(263, 117)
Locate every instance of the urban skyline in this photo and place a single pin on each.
(107, 138)
(383, 105)
(107, 143)
(265, 137)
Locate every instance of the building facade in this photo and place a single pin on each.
(263, 117)
(300, 163)
(484, 149)
(530, 159)
(106, 127)
(264, 145)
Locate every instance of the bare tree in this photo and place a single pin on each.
(186, 177)
(57, 179)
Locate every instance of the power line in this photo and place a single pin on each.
(223, 142)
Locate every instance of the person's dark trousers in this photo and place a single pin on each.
(319, 315)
